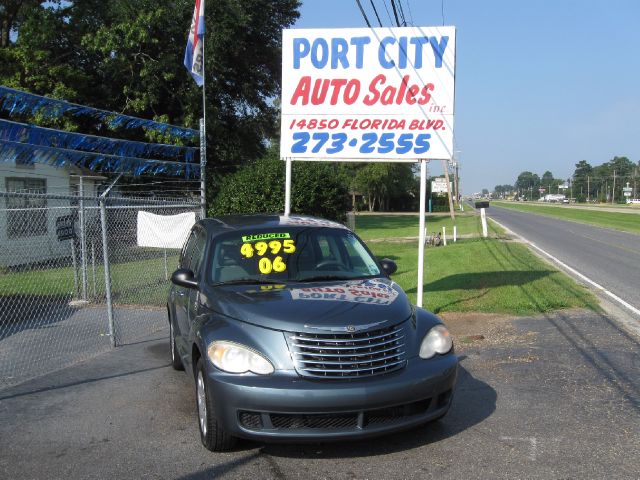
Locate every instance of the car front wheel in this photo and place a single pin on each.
(213, 437)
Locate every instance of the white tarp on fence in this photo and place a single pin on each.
(164, 231)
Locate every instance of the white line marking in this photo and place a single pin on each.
(574, 271)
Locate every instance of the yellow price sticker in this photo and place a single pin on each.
(266, 266)
(274, 247)
(271, 247)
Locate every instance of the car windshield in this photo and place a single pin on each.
(290, 254)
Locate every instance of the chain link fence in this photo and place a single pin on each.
(75, 280)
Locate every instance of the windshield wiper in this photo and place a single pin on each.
(245, 281)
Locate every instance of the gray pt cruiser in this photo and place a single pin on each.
(292, 330)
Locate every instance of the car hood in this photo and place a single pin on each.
(316, 307)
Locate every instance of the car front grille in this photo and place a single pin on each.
(341, 422)
(329, 421)
(348, 355)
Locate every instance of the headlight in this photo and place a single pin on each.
(234, 358)
(438, 340)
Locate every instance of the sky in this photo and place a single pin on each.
(540, 84)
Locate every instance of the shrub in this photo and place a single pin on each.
(316, 189)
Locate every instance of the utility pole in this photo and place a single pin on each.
(457, 184)
(570, 188)
(613, 191)
(588, 190)
(445, 166)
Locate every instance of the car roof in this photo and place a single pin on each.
(246, 223)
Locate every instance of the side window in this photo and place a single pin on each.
(358, 256)
(198, 253)
(185, 258)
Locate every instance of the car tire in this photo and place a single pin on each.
(213, 436)
(176, 361)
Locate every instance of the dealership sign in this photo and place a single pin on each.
(368, 94)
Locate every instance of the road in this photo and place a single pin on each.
(555, 396)
(608, 257)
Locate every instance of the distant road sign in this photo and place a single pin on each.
(439, 185)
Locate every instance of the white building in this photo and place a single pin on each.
(554, 198)
(28, 223)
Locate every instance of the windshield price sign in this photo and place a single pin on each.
(376, 94)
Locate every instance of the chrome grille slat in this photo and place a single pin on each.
(339, 340)
(348, 355)
(353, 347)
(330, 355)
(353, 362)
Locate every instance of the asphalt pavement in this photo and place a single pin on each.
(548, 397)
(608, 257)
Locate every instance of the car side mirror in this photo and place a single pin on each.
(183, 277)
(389, 266)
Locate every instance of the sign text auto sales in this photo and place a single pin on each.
(368, 93)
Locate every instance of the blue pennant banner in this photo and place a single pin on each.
(17, 102)
(98, 162)
(47, 137)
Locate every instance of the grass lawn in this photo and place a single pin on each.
(140, 282)
(370, 227)
(484, 275)
(626, 222)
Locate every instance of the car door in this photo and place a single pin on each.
(180, 298)
(193, 295)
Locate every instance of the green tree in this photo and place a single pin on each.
(12, 13)
(126, 56)
(500, 191)
(371, 181)
(528, 184)
(547, 178)
(259, 187)
(582, 180)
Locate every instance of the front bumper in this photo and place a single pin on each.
(287, 406)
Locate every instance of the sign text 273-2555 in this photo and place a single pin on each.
(334, 143)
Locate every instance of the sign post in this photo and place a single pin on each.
(368, 94)
(422, 236)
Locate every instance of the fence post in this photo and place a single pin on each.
(83, 242)
(93, 268)
(107, 274)
(75, 268)
(166, 269)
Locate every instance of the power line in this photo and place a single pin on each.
(395, 12)
(387, 9)
(376, 12)
(364, 15)
(404, 20)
